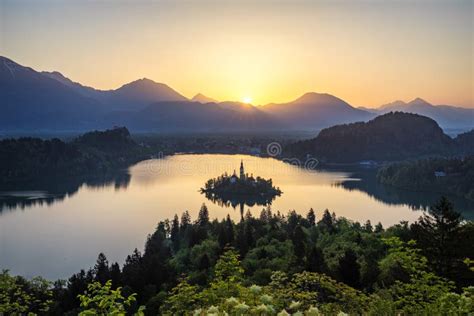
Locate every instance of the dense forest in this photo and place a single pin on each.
(455, 175)
(29, 158)
(465, 142)
(389, 137)
(317, 264)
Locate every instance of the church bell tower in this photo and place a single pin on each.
(242, 173)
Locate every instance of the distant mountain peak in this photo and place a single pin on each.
(58, 76)
(8, 67)
(203, 99)
(311, 97)
(143, 92)
(322, 100)
(143, 82)
(418, 101)
(394, 104)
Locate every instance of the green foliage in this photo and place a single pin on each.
(277, 264)
(21, 296)
(420, 175)
(421, 288)
(31, 158)
(103, 300)
(182, 298)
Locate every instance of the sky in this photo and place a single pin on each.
(367, 52)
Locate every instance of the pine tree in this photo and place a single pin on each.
(437, 233)
(203, 217)
(349, 269)
(368, 226)
(229, 229)
(298, 240)
(311, 217)
(378, 228)
(175, 235)
(101, 269)
(185, 221)
(315, 260)
(326, 222)
(115, 275)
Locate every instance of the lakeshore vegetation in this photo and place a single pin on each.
(317, 264)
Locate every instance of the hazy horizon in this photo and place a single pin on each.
(367, 53)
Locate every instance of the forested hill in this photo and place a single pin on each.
(113, 140)
(389, 137)
(28, 158)
(454, 176)
(465, 142)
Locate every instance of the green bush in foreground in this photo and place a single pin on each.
(103, 300)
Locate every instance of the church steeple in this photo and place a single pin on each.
(242, 173)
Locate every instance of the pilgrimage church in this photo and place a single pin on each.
(234, 177)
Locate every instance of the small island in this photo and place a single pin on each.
(243, 189)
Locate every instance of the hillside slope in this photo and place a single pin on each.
(392, 136)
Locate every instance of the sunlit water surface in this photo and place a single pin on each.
(61, 237)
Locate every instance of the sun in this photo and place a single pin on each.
(247, 100)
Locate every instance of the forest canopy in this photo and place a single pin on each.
(317, 264)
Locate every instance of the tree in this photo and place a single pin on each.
(311, 217)
(420, 288)
(185, 220)
(349, 269)
(132, 272)
(182, 299)
(368, 226)
(299, 245)
(327, 222)
(203, 217)
(19, 296)
(437, 233)
(229, 228)
(204, 263)
(102, 300)
(174, 234)
(101, 269)
(315, 260)
(378, 228)
(228, 275)
(228, 267)
(115, 275)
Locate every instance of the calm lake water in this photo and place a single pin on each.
(55, 228)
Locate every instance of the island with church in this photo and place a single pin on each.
(242, 189)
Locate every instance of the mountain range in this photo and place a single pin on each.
(49, 101)
(446, 115)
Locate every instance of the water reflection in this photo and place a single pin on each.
(67, 223)
(47, 191)
(364, 180)
(241, 201)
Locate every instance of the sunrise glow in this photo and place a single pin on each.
(247, 100)
(366, 53)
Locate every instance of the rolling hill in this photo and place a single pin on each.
(389, 137)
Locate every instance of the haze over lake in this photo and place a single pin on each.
(60, 238)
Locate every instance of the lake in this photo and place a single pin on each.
(54, 228)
